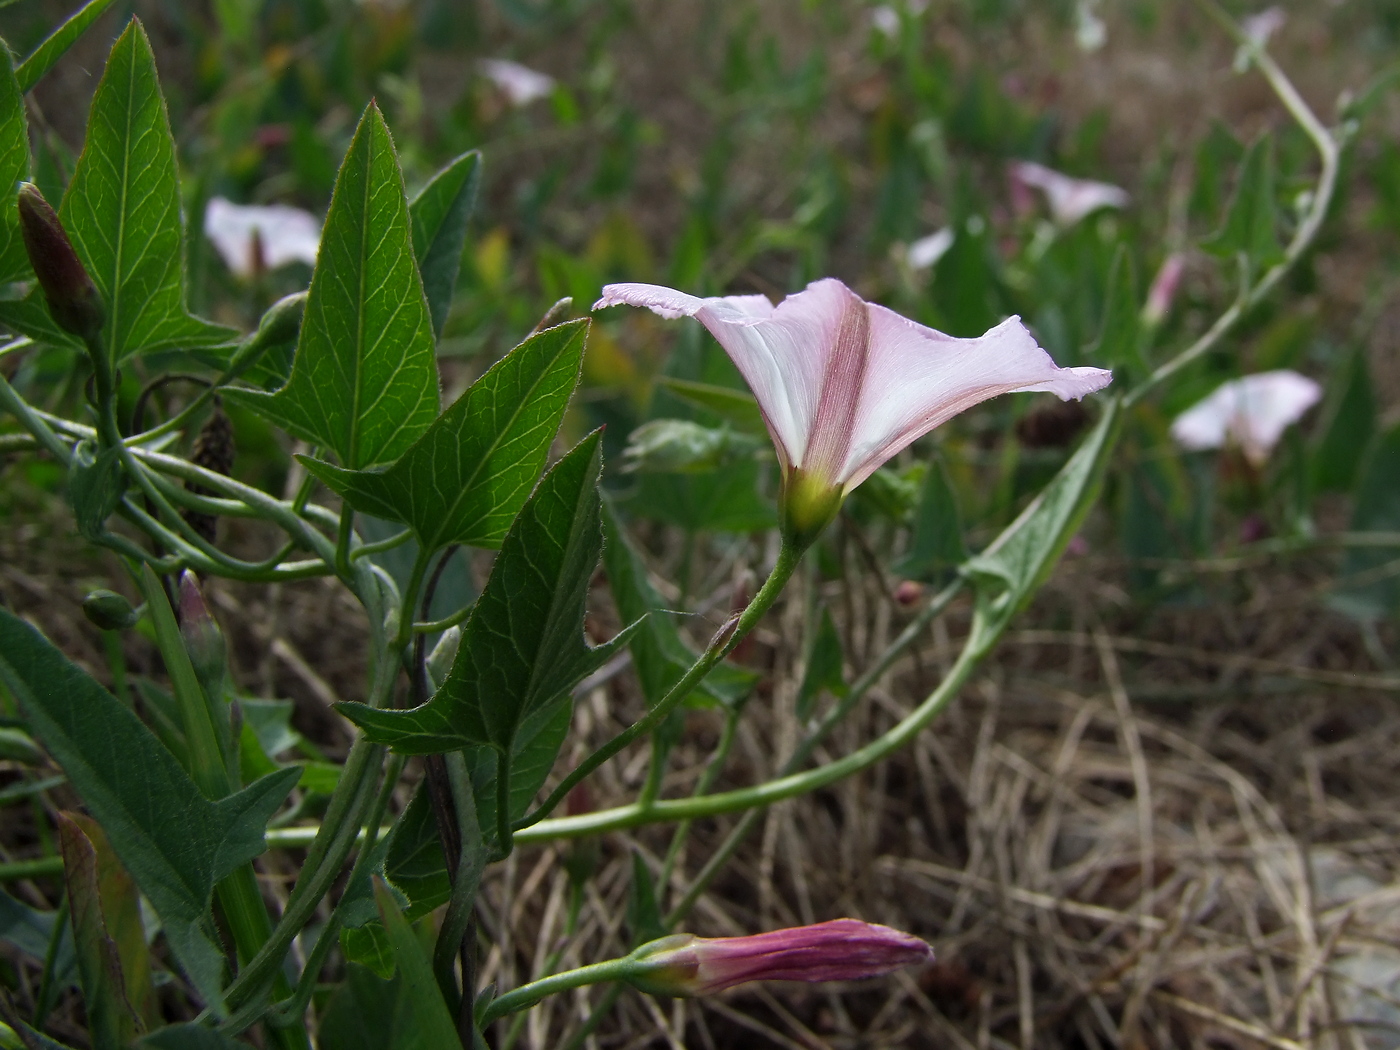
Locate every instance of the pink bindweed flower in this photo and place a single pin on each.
(256, 237)
(521, 85)
(1070, 199)
(1252, 412)
(843, 384)
(839, 950)
(1164, 289)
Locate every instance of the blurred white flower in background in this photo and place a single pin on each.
(521, 85)
(1259, 28)
(926, 251)
(1090, 33)
(284, 234)
(1069, 199)
(885, 17)
(1251, 412)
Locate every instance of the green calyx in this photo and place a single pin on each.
(806, 506)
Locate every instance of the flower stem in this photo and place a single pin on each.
(530, 994)
(720, 646)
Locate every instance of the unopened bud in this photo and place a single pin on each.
(908, 592)
(1164, 289)
(203, 639)
(74, 302)
(109, 611)
(443, 656)
(839, 950)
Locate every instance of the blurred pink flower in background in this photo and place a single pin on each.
(1260, 27)
(1251, 412)
(520, 85)
(926, 251)
(285, 234)
(1164, 288)
(1069, 199)
(839, 950)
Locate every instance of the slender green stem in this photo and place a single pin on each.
(366, 550)
(530, 994)
(724, 641)
(31, 421)
(344, 537)
(505, 840)
(434, 626)
(706, 782)
(408, 601)
(1330, 152)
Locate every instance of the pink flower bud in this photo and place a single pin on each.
(908, 593)
(839, 950)
(1164, 288)
(203, 639)
(74, 302)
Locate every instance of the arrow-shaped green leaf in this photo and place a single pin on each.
(465, 480)
(364, 382)
(523, 647)
(439, 214)
(14, 168)
(122, 209)
(175, 843)
(1251, 224)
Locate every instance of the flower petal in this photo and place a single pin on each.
(1070, 199)
(782, 351)
(288, 234)
(1254, 411)
(918, 378)
(839, 950)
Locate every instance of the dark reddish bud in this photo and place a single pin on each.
(908, 593)
(74, 302)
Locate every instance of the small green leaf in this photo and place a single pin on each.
(735, 406)
(937, 543)
(536, 747)
(465, 480)
(659, 654)
(1009, 571)
(523, 647)
(1250, 227)
(429, 1022)
(14, 168)
(122, 209)
(364, 381)
(680, 446)
(369, 946)
(644, 922)
(824, 667)
(1348, 424)
(175, 843)
(110, 1021)
(1377, 509)
(32, 931)
(439, 214)
(1120, 338)
(33, 68)
(95, 486)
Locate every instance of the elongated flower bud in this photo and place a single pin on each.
(109, 611)
(839, 950)
(203, 639)
(74, 302)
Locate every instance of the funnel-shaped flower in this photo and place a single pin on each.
(1070, 199)
(1252, 412)
(843, 384)
(839, 950)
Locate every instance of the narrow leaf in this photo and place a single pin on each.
(1250, 227)
(536, 747)
(110, 1021)
(523, 647)
(175, 843)
(428, 1014)
(122, 209)
(33, 68)
(439, 214)
(735, 406)
(465, 480)
(364, 381)
(823, 669)
(644, 922)
(32, 931)
(1377, 509)
(14, 168)
(1120, 338)
(659, 654)
(1009, 571)
(937, 542)
(1348, 423)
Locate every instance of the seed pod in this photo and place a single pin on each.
(213, 450)
(74, 302)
